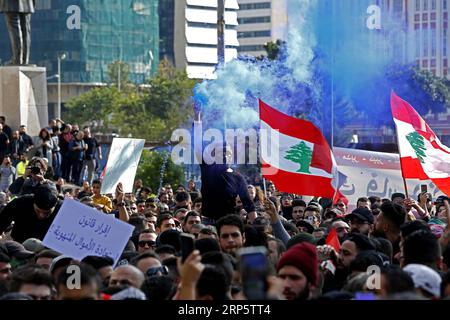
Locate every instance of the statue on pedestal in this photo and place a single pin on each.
(18, 19)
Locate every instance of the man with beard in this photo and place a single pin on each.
(298, 268)
(353, 244)
(361, 221)
(220, 183)
(342, 228)
(388, 224)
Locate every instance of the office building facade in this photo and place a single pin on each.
(93, 34)
(260, 21)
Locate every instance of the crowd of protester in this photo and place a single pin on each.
(69, 153)
(395, 248)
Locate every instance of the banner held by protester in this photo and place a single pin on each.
(79, 231)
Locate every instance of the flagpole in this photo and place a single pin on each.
(265, 188)
(398, 146)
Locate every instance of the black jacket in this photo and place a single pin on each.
(26, 223)
(220, 189)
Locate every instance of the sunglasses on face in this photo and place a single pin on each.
(154, 271)
(148, 243)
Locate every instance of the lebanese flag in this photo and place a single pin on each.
(422, 155)
(295, 155)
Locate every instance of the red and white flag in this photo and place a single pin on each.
(422, 155)
(295, 155)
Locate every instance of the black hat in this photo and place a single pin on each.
(305, 224)
(46, 196)
(362, 214)
(398, 195)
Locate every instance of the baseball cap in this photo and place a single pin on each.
(34, 245)
(60, 261)
(46, 196)
(425, 278)
(17, 250)
(362, 214)
(305, 224)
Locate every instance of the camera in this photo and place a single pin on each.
(35, 170)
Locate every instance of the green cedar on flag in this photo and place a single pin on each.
(422, 155)
(299, 160)
(301, 154)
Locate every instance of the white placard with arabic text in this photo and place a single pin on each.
(79, 231)
(123, 161)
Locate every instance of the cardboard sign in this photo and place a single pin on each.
(79, 231)
(123, 161)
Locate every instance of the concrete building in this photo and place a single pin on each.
(428, 22)
(189, 35)
(261, 21)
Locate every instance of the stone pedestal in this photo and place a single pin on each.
(23, 97)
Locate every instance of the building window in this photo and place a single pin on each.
(445, 63)
(433, 4)
(254, 20)
(417, 17)
(444, 45)
(254, 34)
(251, 48)
(417, 5)
(425, 5)
(425, 16)
(425, 42)
(433, 63)
(433, 16)
(425, 64)
(433, 43)
(255, 6)
(444, 4)
(417, 43)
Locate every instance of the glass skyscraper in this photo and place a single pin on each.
(93, 34)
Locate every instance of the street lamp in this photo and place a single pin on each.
(61, 56)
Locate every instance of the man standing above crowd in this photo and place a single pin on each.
(16, 147)
(26, 138)
(77, 149)
(93, 147)
(64, 139)
(4, 142)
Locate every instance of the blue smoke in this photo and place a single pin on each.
(336, 61)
